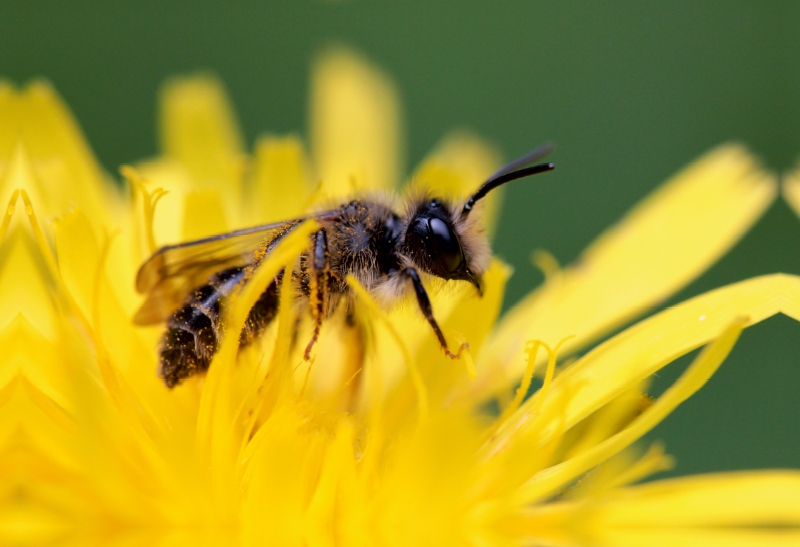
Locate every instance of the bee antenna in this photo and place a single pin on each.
(526, 159)
(511, 171)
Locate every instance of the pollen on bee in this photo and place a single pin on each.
(358, 241)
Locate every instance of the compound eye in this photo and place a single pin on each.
(446, 245)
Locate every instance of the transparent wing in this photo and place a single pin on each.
(173, 271)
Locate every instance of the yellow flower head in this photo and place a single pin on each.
(380, 439)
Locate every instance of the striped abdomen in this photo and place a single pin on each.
(194, 330)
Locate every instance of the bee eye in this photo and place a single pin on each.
(446, 245)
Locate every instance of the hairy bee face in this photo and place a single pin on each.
(432, 241)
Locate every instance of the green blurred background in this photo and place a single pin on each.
(630, 93)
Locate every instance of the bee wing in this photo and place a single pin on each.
(173, 271)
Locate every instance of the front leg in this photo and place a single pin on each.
(427, 310)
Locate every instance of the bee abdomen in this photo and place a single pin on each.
(193, 331)
(188, 344)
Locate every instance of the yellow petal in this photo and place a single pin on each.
(548, 481)
(753, 498)
(279, 189)
(280, 481)
(78, 252)
(622, 362)
(199, 130)
(791, 190)
(174, 181)
(740, 509)
(423, 499)
(665, 242)
(65, 173)
(729, 509)
(23, 287)
(623, 469)
(218, 406)
(639, 351)
(355, 125)
(692, 537)
(206, 214)
(9, 136)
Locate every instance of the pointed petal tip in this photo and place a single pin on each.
(343, 56)
(736, 159)
(199, 129)
(40, 86)
(355, 123)
(199, 86)
(339, 65)
(790, 190)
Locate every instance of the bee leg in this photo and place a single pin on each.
(319, 281)
(427, 310)
(262, 313)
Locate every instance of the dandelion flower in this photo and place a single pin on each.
(382, 443)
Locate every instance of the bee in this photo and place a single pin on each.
(187, 284)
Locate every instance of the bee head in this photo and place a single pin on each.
(446, 241)
(443, 244)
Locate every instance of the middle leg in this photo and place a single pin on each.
(319, 281)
